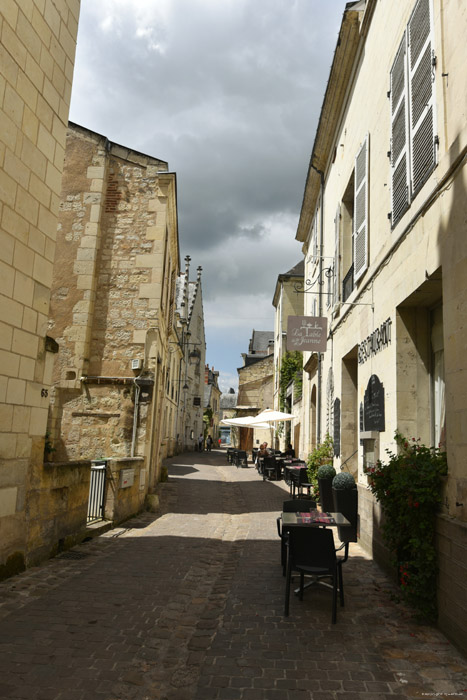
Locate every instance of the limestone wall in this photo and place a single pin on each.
(117, 255)
(37, 50)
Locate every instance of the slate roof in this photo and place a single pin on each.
(260, 341)
(228, 400)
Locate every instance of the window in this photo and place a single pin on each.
(347, 223)
(360, 228)
(351, 228)
(413, 141)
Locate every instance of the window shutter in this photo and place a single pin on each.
(399, 138)
(421, 91)
(361, 211)
(337, 276)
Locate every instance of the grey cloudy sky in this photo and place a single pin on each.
(229, 93)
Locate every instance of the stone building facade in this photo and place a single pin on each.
(383, 230)
(256, 386)
(212, 397)
(115, 383)
(37, 53)
(191, 334)
(287, 302)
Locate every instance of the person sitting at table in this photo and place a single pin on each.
(263, 450)
(290, 452)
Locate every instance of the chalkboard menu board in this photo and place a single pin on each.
(337, 427)
(373, 406)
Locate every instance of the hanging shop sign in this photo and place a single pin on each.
(307, 333)
(375, 342)
(373, 405)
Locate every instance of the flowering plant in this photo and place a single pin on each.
(322, 454)
(408, 487)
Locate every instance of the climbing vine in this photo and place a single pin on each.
(291, 369)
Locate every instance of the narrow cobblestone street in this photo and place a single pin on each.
(187, 604)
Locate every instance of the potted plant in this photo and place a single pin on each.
(345, 499)
(325, 475)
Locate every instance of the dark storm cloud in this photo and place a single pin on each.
(228, 92)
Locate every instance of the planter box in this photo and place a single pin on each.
(325, 494)
(346, 502)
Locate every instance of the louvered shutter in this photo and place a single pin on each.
(399, 135)
(337, 276)
(421, 91)
(361, 211)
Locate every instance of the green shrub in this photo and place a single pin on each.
(343, 481)
(326, 471)
(321, 455)
(408, 487)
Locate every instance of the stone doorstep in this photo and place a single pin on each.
(98, 528)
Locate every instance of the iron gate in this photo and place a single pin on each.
(97, 492)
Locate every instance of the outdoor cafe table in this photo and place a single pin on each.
(295, 474)
(313, 517)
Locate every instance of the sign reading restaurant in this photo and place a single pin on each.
(307, 333)
(376, 341)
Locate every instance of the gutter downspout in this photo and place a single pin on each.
(135, 419)
(320, 297)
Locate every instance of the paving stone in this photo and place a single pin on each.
(187, 604)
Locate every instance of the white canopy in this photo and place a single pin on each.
(272, 416)
(245, 422)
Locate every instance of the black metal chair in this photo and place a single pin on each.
(311, 552)
(241, 458)
(269, 468)
(297, 505)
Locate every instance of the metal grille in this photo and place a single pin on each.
(73, 555)
(96, 492)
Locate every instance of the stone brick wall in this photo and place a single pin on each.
(255, 386)
(121, 503)
(116, 252)
(37, 50)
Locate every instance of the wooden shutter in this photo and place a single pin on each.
(399, 135)
(421, 91)
(361, 211)
(337, 275)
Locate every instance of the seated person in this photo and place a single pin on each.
(289, 452)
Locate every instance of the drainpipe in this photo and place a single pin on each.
(320, 298)
(135, 418)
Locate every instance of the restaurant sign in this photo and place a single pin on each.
(375, 342)
(307, 333)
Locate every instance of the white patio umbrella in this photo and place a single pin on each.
(245, 422)
(272, 416)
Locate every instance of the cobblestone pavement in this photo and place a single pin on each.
(187, 604)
